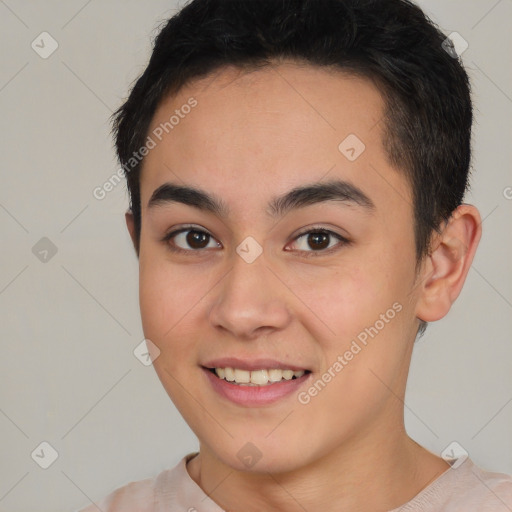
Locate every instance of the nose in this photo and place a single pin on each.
(250, 301)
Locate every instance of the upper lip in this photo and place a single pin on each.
(251, 364)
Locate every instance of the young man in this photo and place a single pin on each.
(296, 171)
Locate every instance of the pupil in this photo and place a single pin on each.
(317, 239)
(194, 239)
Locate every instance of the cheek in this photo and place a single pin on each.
(362, 301)
(166, 294)
(173, 302)
(346, 299)
(154, 296)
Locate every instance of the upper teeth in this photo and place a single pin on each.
(256, 377)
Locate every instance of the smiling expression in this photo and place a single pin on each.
(256, 168)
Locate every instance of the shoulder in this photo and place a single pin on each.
(487, 490)
(464, 487)
(142, 495)
(468, 488)
(133, 497)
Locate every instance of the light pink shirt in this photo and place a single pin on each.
(468, 488)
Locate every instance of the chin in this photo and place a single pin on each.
(253, 454)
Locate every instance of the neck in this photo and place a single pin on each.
(377, 474)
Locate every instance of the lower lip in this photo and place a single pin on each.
(255, 395)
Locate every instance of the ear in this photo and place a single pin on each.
(447, 265)
(130, 224)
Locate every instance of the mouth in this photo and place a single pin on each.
(257, 385)
(261, 377)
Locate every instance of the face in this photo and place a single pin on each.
(254, 277)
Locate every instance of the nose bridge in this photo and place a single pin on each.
(248, 298)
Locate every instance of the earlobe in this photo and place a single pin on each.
(130, 224)
(447, 266)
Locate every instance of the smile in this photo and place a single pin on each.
(256, 377)
(255, 388)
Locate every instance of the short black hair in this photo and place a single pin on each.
(428, 110)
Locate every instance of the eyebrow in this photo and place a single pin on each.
(299, 197)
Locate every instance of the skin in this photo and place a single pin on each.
(251, 137)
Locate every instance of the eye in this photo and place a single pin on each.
(319, 241)
(189, 239)
(314, 242)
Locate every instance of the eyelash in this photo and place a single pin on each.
(316, 230)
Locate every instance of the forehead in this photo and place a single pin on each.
(258, 133)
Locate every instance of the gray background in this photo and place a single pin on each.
(70, 324)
